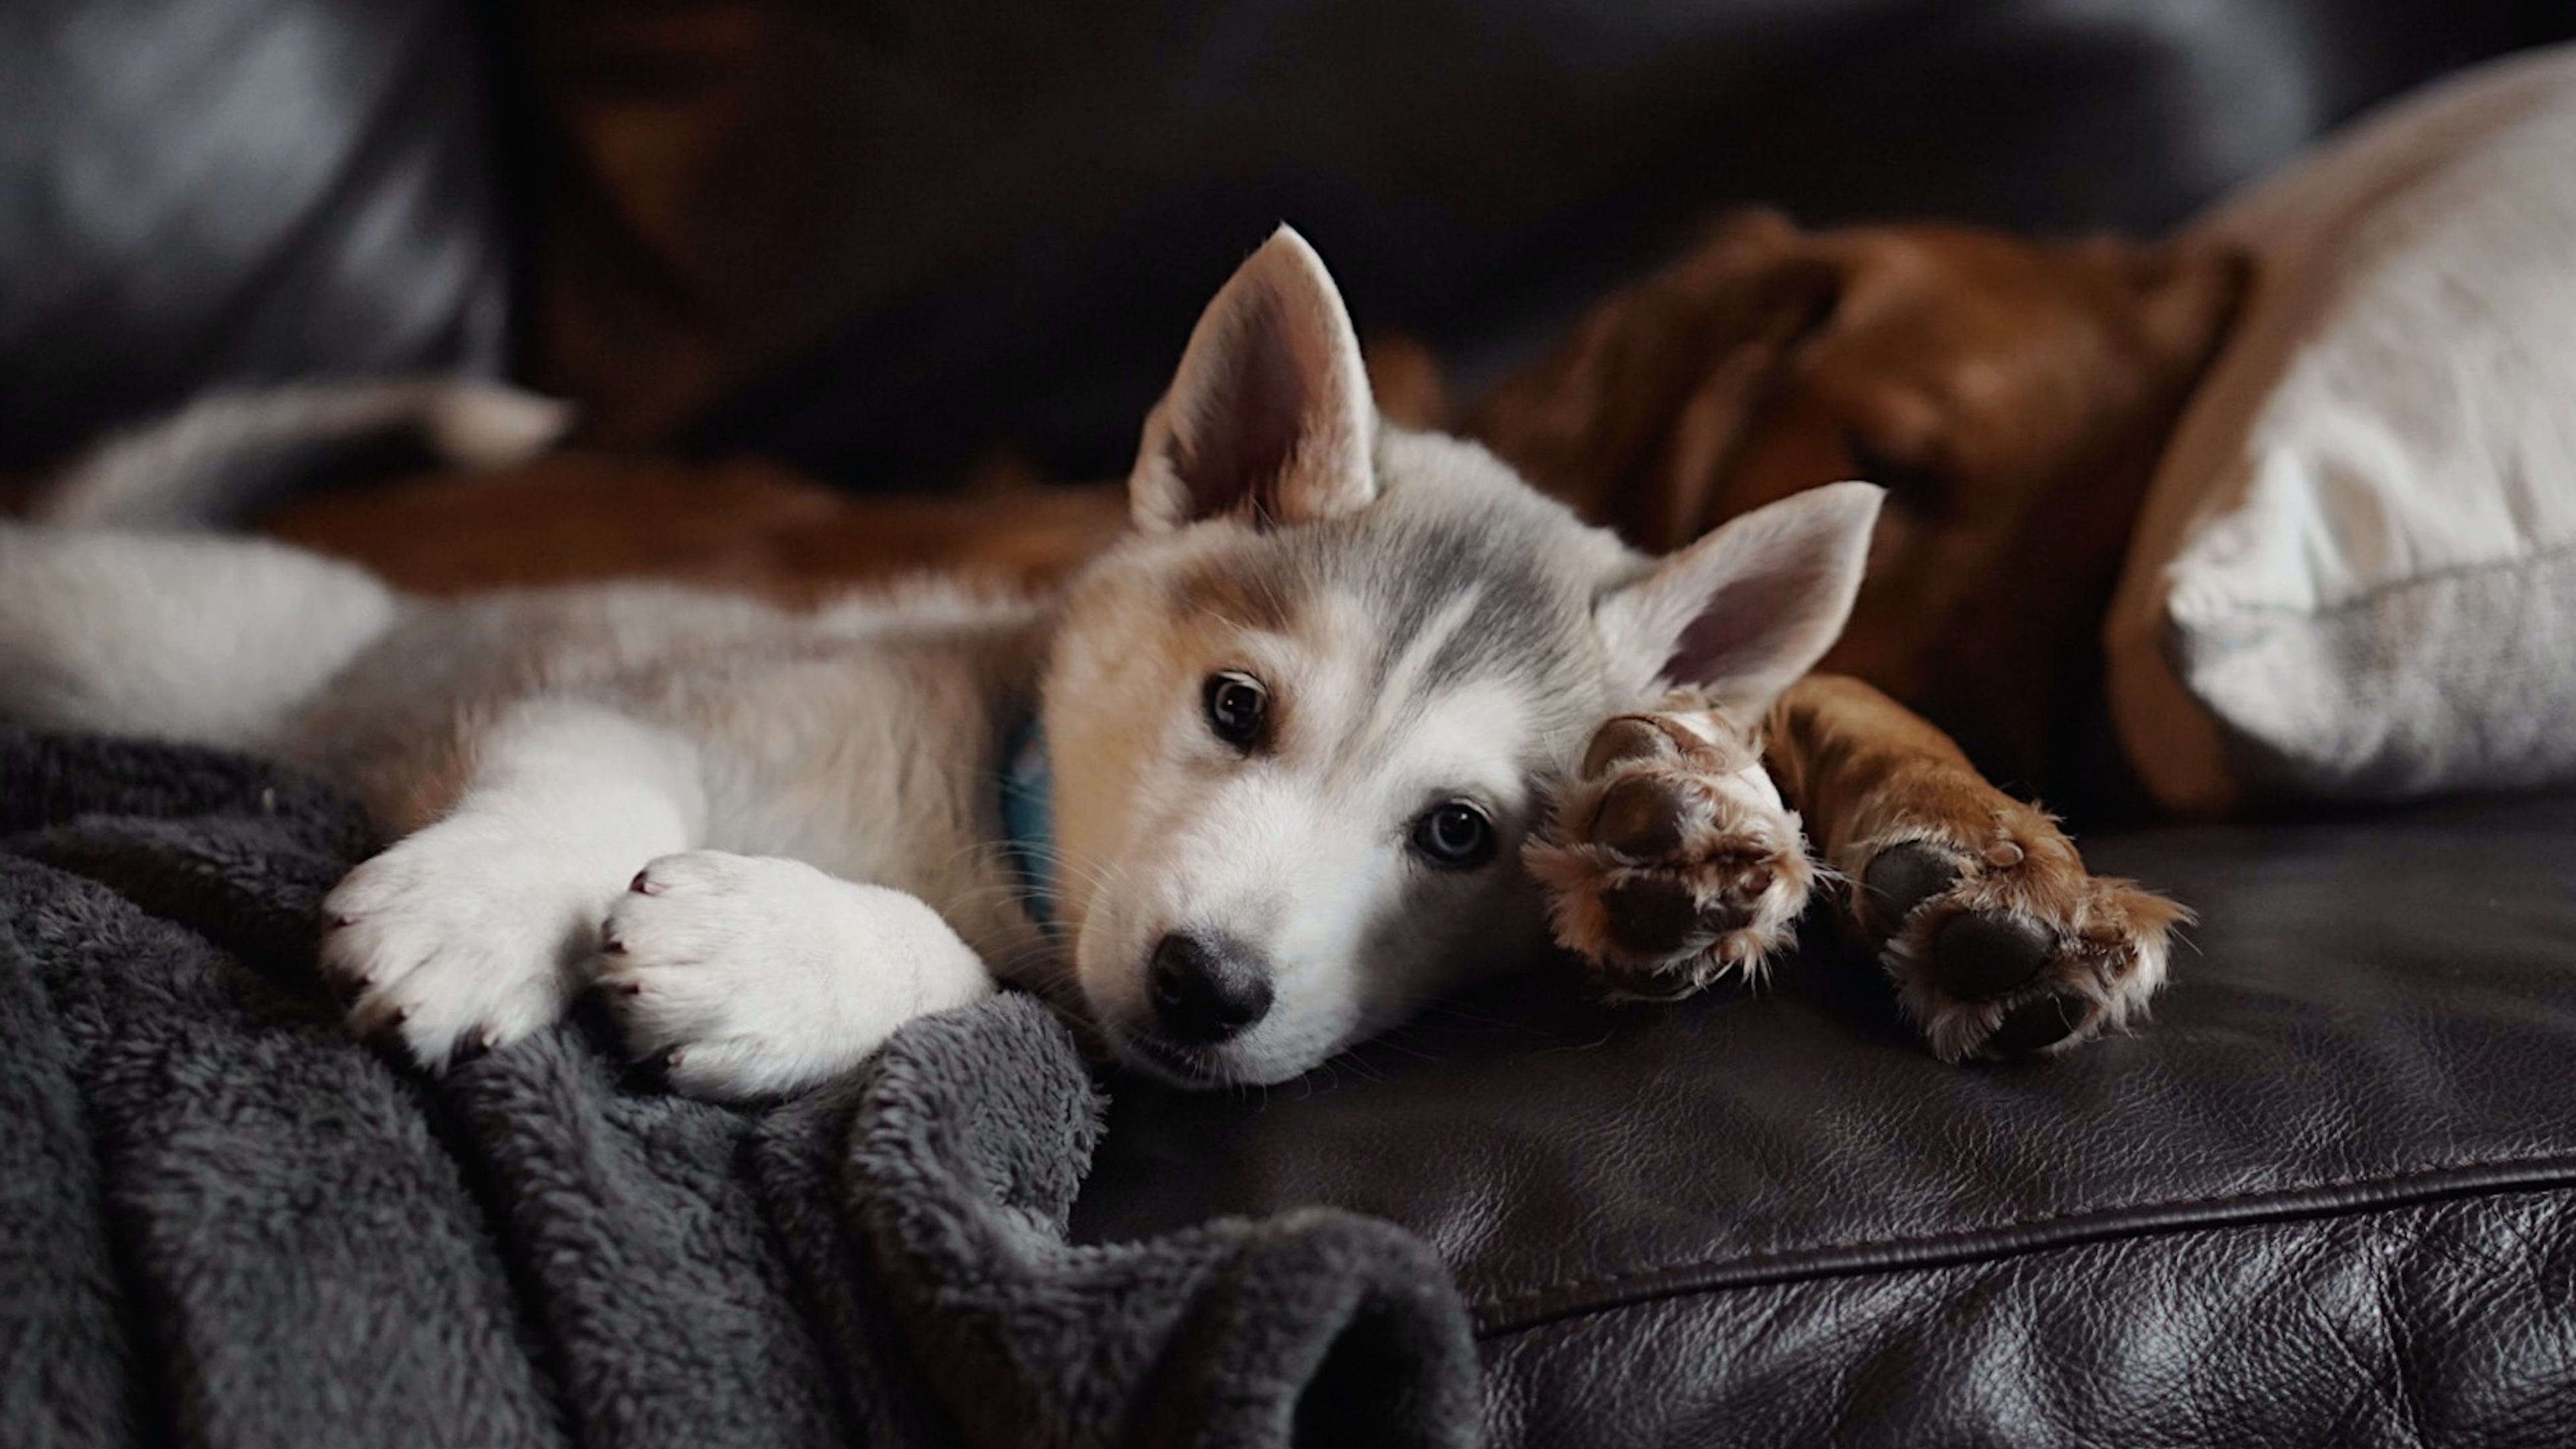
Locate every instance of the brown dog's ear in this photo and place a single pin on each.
(1269, 418)
(1632, 417)
(2188, 295)
(1745, 611)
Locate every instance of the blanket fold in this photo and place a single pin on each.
(226, 1223)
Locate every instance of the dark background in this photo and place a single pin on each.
(880, 238)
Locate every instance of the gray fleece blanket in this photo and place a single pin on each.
(223, 1222)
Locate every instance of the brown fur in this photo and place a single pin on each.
(745, 524)
(2012, 396)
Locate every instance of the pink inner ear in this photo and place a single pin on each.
(1761, 622)
(1246, 423)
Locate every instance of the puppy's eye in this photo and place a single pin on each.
(1454, 835)
(1236, 705)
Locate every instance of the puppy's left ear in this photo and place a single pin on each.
(1749, 608)
(1270, 417)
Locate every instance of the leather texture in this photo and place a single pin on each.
(877, 239)
(202, 193)
(2325, 1197)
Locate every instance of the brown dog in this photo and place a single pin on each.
(2013, 396)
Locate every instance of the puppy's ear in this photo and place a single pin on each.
(1270, 417)
(1748, 609)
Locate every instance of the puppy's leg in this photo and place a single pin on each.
(1999, 942)
(1672, 859)
(478, 928)
(757, 975)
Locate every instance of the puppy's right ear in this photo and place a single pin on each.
(1270, 417)
(1746, 610)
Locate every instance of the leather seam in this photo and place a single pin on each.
(2342, 1197)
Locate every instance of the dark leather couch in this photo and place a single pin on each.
(2329, 1197)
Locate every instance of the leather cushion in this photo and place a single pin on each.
(196, 193)
(2324, 1197)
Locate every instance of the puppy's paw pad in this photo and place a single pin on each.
(2011, 949)
(1671, 860)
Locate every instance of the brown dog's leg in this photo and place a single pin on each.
(1672, 860)
(1999, 941)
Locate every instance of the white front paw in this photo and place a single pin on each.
(756, 974)
(467, 933)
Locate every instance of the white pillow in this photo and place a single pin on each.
(2355, 573)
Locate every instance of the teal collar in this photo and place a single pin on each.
(1028, 819)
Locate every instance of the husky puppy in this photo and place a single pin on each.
(1292, 736)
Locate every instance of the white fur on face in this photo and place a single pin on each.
(1300, 851)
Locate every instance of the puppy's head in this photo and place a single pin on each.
(1303, 720)
(2013, 396)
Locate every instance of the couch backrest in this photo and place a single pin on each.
(202, 192)
(877, 237)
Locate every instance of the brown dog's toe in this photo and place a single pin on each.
(1980, 955)
(1641, 818)
(1906, 875)
(1652, 916)
(1628, 737)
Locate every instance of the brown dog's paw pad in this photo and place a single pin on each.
(1641, 818)
(1650, 917)
(2008, 948)
(1977, 955)
(1905, 875)
(1671, 860)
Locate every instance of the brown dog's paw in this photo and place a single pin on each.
(1671, 859)
(2004, 946)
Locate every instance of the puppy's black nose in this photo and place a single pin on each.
(1207, 989)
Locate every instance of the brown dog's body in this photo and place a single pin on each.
(2012, 396)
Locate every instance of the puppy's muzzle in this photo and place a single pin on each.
(1207, 989)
